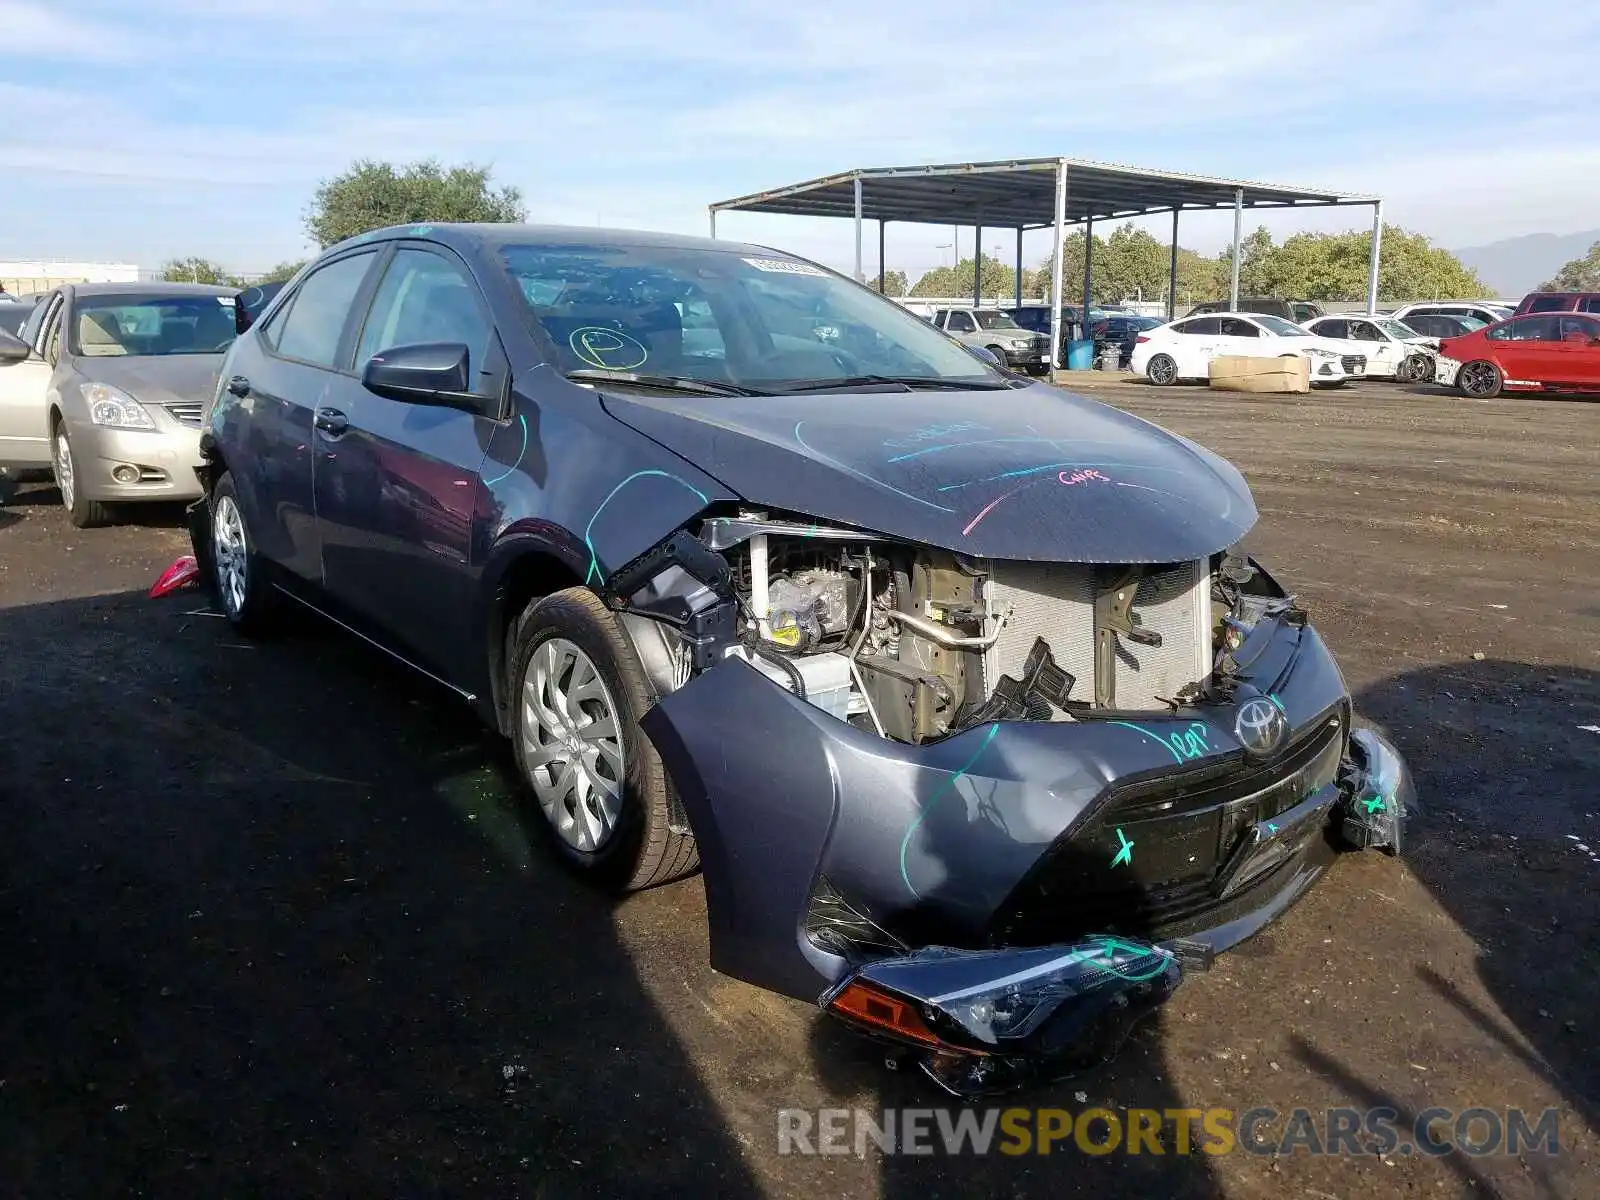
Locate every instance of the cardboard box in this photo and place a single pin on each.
(1239, 373)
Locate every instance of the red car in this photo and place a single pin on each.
(1556, 352)
(1543, 302)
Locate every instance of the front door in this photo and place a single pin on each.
(276, 380)
(24, 399)
(1579, 351)
(397, 488)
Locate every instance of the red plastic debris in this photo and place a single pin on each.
(179, 575)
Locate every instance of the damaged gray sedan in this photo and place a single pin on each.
(956, 688)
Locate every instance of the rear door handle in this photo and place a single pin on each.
(239, 386)
(331, 422)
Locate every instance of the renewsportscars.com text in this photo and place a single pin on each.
(1434, 1132)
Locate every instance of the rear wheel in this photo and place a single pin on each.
(1480, 380)
(579, 690)
(81, 511)
(1161, 370)
(238, 573)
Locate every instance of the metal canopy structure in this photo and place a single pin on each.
(1040, 193)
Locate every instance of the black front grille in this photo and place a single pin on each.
(1205, 843)
(1355, 364)
(188, 412)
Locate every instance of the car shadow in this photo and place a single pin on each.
(274, 924)
(1512, 855)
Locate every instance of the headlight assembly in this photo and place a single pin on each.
(114, 408)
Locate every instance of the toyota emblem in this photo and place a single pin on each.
(1259, 726)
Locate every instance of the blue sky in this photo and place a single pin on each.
(137, 132)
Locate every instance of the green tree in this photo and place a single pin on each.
(1579, 275)
(197, 270)
(283, 272)
(997, 279)
(894, 283)
(372, 195)
(1334, 266)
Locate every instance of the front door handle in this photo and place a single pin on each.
(239, 386)
(331, 422)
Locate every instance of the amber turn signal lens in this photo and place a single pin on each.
(865, 1005)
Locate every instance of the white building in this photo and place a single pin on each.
(23, 276)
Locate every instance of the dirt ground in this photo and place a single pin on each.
(274, 925)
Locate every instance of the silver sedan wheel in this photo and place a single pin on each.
(228, 552)
(66, 483)
(572, 744)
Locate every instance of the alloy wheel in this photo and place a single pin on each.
(572, 744)
(66, 480)
(1478, 379)
(229, 553)
(1161, 369)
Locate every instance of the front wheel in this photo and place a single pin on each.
(1480, 380)
(578, 690)
(1161, 370)
(81, 511)
(1417, 368)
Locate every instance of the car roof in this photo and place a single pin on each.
(152, 287)
(493, 235)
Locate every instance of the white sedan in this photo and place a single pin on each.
(1394, 350)
(1184, 349)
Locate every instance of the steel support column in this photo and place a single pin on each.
(1019, 266)
(977, 265)
(1055, 263)
(1238, 228)
(1372, 267)
(1088, 275)
(860, 278)
(881, 270)
(1172, 275)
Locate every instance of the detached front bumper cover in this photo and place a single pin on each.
(981, 1022)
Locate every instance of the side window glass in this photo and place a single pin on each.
(1207, 326)
(425, 297)
(52, 337)
(1544, 304)
(1233, 327)
(1590, 304)
(311, 329)
(1331, 329)
(1577, 329)
(961, 322)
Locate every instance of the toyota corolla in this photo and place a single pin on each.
(957, 688)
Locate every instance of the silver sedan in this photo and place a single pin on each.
(107, 388)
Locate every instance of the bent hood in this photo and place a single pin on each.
(157, 379)
(1034, 473)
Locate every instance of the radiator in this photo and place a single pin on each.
(1055, 601)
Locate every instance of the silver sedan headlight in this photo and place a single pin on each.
(114, 408)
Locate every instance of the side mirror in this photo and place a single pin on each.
(430, 373)
(12, 349)
(249, 304)
(987, 355)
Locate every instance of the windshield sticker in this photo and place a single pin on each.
(608, 349)
(785, 266)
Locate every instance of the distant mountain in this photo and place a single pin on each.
(1517, 265)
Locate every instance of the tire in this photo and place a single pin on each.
(82, 512)
(240, 577)
(1480, 380)
(1161, 370)
(609, 815)
(1415, 368)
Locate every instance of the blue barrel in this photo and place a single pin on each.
(1080, 355)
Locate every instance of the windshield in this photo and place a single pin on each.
(133, 325)
(724, 317)
(1396, 329)
(1472, 323)
(995, 320)
(1279, 326)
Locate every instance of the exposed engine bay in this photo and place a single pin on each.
(917, 643)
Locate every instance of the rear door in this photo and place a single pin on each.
(397, 485)
(278, 376)
(24, 396)
(1579, 352)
